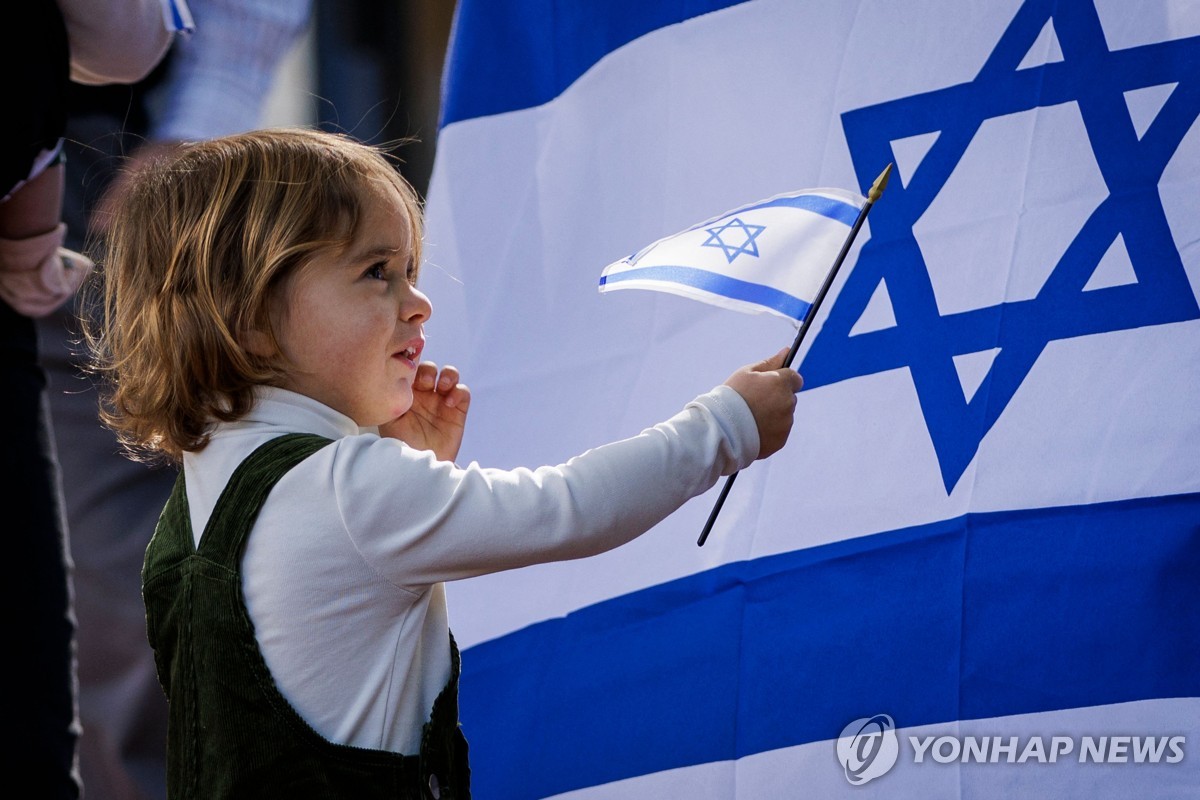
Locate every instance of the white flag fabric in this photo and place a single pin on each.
(773, 255)
(971, 573)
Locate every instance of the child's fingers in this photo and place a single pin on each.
(448, 379)
(426, 377)
(459, 397)
(770, 363)
(444, 381)
(775, 364)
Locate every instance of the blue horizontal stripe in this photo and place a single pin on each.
(838, 210)
(507, 55)
(713, 283)
(985, 615)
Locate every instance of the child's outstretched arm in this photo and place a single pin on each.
(443, 522)
(438, 415)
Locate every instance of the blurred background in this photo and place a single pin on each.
(370, 68)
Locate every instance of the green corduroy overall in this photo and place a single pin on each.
(231, 734)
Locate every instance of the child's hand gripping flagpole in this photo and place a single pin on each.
(873, 195)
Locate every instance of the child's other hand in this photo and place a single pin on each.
(438, 414)
(770, 391)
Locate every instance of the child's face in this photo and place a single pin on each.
(351, 326)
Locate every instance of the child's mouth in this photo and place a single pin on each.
(409, 354)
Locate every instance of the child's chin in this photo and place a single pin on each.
(401, 408)
(393, 413)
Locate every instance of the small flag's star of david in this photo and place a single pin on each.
(743, 232)
(1131, 157)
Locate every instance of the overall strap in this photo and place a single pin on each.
(243, 497)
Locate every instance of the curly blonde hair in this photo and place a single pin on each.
(194, 253)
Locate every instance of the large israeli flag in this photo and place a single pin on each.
(974, 571)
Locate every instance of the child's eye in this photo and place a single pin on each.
(377, 272)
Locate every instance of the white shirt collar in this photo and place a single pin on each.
(278, 409)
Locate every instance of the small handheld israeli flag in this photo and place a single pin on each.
(778, 255)
(770, 256)
(177, 16)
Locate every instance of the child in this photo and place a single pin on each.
(262, 326)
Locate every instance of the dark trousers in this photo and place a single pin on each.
(41, 644)
(112, 505)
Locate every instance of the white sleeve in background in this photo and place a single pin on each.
(220, 75)
(418, 521)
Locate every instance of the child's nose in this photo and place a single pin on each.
(415, 306)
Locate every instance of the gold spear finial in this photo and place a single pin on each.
(880, 184)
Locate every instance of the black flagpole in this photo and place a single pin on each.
(873, 195)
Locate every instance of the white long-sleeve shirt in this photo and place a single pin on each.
(343, 570)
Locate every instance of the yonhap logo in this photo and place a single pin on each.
(868, 748)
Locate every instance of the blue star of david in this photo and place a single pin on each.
(748, 245)
(926, 342)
